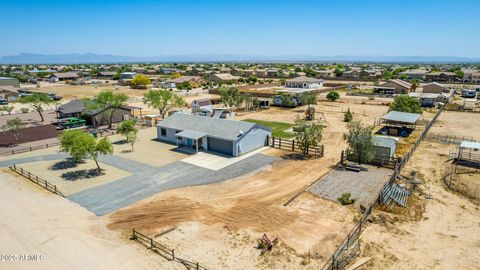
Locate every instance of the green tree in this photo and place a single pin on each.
(162, 100)
(231, 97)
(37, 101)
(348, 116)
(7, 109)
(333, 95)
(81, 145)
(129, 131)
(140, 80)
(404, 103)
(109, 102)
(459, 74)
(307, 134)
(360, 142)
(13, 126)
(309, 98)
(338, 72)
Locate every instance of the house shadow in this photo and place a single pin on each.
(81, 174)
(65, 164)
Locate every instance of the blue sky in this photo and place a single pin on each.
(151, 28)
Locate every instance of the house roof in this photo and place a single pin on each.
(9, 88)
(74, 106)
(434, 83)
(191, 134)
(226, 76)
(214, 127)
(203, 102)
(400, 83)
(402, 117)
(470, 145)
(184, 79)
(384, 141)
(107, 73)
(304, 79)
(65, 75)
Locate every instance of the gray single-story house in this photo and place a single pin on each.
(228, 137)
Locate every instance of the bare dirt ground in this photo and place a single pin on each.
(70, 177)
(438, 233)
(458, 124)
(37, 222)
(222, 221)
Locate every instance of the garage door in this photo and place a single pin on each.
(221, 146)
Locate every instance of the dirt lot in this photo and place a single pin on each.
(71, 178)
(458, 124)
(438, 233)
(66, 235)
(29, 134)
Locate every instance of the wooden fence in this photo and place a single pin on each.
(349, 248)
(292, 145)
(382, 161)
(37, 180)
(13, 151)
(163, 250)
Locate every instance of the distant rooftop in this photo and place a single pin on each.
(401, 117)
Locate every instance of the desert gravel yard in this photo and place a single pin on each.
(364, 186)
(118, 194)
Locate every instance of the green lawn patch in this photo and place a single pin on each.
(278, 128)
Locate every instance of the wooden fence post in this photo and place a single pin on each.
(197, 266)
(279, 142)
(151, 243)
(293, 145)
(173, 254)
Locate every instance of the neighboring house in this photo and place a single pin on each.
(351, 74)
(434, 87)
(64, 76)
(428, 99)
(6, 81)
(326, 74)
(394, 86)
(304, 82)
(168, 71)
(412, 74)
(223, 77)
(385, 146)
(9, 92)
(202, 105)
(440, 76)
(127, 75)
(195, 81)
(107, 75)
(469, 74)
(76, 108)
(228, 137)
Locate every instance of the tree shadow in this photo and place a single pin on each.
(81, 174)
(120, 142)
(65, 164)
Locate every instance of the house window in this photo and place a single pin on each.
(163, 132)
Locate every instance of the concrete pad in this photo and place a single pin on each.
(214, 161)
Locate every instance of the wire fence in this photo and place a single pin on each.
(449, 139)
(37, 180)
(454, 179)
(163, 250)
(349, 248)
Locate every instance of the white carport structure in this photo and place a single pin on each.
(190, 136)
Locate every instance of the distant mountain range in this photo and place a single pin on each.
(91, 58)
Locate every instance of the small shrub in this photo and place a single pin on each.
(24, 110)
(348, 117)
(346, 199)
(261, 244)
(333, 95)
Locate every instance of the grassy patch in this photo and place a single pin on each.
(278, 128)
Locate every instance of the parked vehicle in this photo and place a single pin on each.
(287, 100)
(3, 101)
(469, 93)
(71, 122)
(54, 97)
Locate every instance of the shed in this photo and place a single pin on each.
(433, 87)
(202, 105)
(385, 146)
(229, 137)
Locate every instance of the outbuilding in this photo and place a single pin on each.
(228, 137)
(385, 146)
(434, 87)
